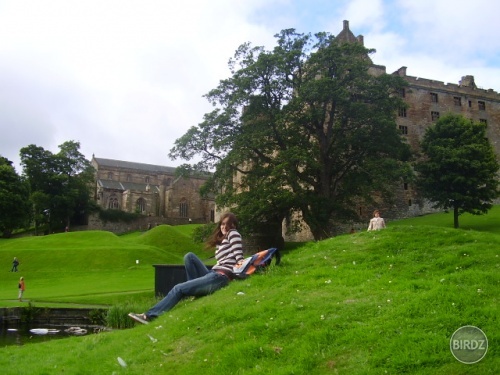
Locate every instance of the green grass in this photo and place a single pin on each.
(382, 302)
(103, 265)
(483, 223)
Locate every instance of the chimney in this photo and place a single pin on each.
(467, 81)
(346, 25)
(401, 71)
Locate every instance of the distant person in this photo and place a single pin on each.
(21, 287)
(377, 222)
(200, 280)
(15, 263)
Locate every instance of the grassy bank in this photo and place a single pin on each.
(367, 303)
(93, 267)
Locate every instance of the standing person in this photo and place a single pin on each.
(15, 263)
(377, 222)
(21, 287)
(200, 280)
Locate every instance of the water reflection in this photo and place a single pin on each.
(28, 335)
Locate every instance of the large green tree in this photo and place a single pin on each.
(304, 128)
(14, 199)
(60, 184)
(459, 169)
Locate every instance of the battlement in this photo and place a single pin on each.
(465, 86)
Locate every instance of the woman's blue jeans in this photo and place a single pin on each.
(200, 282)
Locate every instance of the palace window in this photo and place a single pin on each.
(403, 129)
(147, 179)
(129, 178)
(457, 100)
(402, 92)
(405, 185)
(434, 97)
(481, 105)
(409, 203)
(402, 112)
(110, 175)
(183, 208)
(434, 116)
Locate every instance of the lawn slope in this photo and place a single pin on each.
(382, 302)
(82, 266)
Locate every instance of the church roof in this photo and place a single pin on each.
(123, 186)
(136, 166)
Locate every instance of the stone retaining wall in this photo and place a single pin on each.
(14, 316)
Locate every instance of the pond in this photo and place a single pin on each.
(20, 326)
(27, 335)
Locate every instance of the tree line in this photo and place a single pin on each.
(53, 191)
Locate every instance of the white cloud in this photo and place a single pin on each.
(125, 78)
(436, 39)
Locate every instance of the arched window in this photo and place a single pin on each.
(110, 175)
(141, 205)
(148, 179)
(183, 208)
(113, 203)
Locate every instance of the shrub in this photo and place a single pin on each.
(117, 215)
(203, 232)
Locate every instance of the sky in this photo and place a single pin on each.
(126, 78)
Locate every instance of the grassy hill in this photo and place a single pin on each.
(382, 302)
(93, 267)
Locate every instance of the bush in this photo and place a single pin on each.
(203, 232)
(117, 215)
(98, 317)
(117, 315)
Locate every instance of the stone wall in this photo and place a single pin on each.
(13, 316)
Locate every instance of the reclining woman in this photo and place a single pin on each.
(200, 280)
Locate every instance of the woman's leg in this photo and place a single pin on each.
(201, 286)
(194, 267)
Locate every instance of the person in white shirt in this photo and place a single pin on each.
(377, 222)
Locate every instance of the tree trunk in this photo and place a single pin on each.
(319, 233)
(455, 217)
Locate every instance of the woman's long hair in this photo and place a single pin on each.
(217, 236)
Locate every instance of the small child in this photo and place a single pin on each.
(21, 289)
(377, 222)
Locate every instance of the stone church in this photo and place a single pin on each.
(151, 190)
